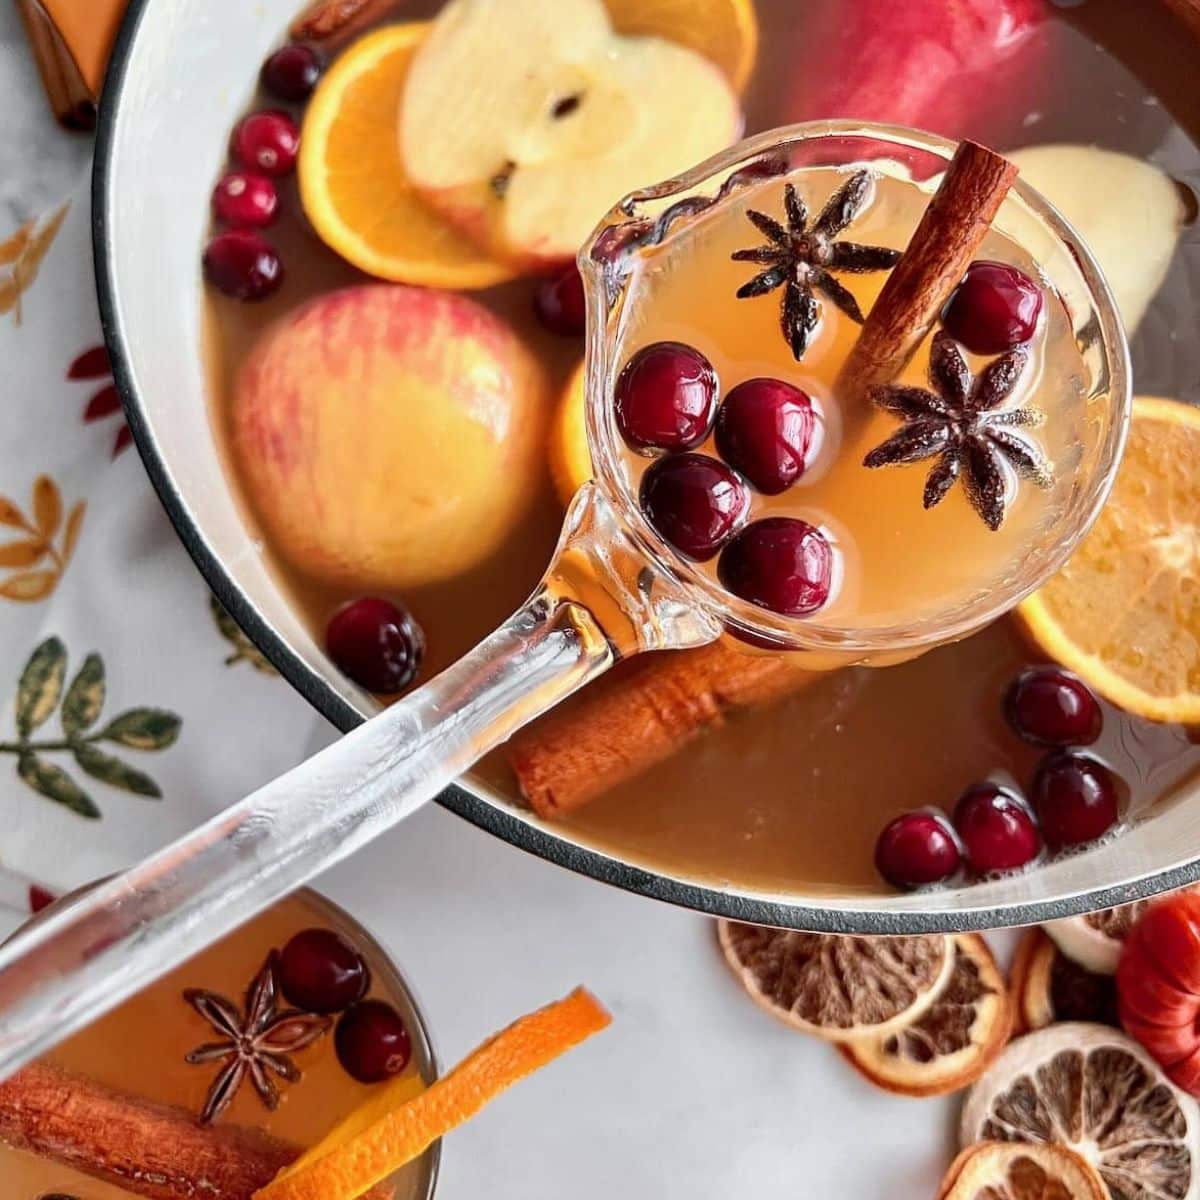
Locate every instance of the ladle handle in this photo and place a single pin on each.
(81, 962)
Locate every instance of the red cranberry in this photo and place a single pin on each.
(996, 828)
(321, 972)
(666, 397)
(1051, 707)
(779, 563)
(559, 303)
(292, 72)
(995, 308)
(1075, 798)
(267, 142)
(376, 644)
(764, 430)
(245, 201)
(243, 264)
(371, 1041)
(915, 849)
(694, 501)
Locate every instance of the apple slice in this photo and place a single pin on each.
(524, 121)
(1128, 212)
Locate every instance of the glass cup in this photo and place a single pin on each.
(613, 589)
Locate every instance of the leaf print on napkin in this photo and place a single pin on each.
(40, 693)
(21, 255)
(35, 560)
(93, 364)
(244, 650)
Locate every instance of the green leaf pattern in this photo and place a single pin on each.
(39, 691)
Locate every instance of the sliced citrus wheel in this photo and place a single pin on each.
(1094, 1090)
(723, 31)
(352, 181)
(570, 458)
(1004, 1171)
(838, 988)
(1124, 613)
(1047, 986)
(1094, 940)
(362, 1151)
(956, 1039)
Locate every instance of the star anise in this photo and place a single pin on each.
(961, 424)
(256, 1042)
(800, 258)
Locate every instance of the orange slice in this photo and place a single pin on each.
(1124, 613)
(352, 182)
(570, 458)
(1010, 1171)
(361, 1152)
(723, 31)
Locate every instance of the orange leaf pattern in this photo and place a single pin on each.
(21, 255)
(39, 562)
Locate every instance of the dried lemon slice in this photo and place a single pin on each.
(838, 988)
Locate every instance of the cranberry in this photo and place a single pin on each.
(321, 972)
(559, 303)
(376, 644)
(666, 397)
(267, 142)
(995, 308)
(245, 201)
(1075, 798)
(780, 563)
(997, 829)
(915, 849)
(764, 429)
(292, 72)
(694, 501)
(243, 264)
(371, 1041)
(1051, 707)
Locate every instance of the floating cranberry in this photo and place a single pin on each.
(559, 303)
(292, 72)
(996, 828)
(375, 643)
(995, 308)
(694, 501)
(245, 201)
(243, 264)
(371, 1041)
(915, 849)
(1075, 798)
(1051, 707)
(321, 972)
(780, 563)
(666, 397)
(267, 141)
(764, 430)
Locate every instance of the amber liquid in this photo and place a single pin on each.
(792, 798)
(139, 1048)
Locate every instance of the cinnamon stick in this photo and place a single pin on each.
(328, 19)
(941, 247)
(71, 99)
(638, 716)
(148, 1149)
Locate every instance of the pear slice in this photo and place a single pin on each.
(1128, 212)
(524, 121)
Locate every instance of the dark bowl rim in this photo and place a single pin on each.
(710, 901)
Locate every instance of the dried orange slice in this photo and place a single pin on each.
(570, 459)
(1096, 1091)
(352, 181)
(1124, 613)
(358, 1154)
(723, 31)
(1047, 986)
(954, 1042)
(1094, 940)
(1003, 1171)
(838, 988)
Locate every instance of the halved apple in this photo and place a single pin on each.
(524, 121)
(1128, 212)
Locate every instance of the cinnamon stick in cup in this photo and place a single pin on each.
(938, 253)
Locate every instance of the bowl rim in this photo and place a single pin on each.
(709, 900)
